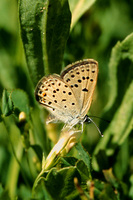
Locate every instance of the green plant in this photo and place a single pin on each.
(54, 34)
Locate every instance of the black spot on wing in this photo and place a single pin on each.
(85, 90)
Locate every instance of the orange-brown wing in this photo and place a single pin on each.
(82, 78)
(57, 97)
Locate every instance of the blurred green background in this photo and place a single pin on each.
(94, 35)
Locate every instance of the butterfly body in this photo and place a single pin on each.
(68, 96)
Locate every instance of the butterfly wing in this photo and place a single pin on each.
(82, 77)
(57, 97)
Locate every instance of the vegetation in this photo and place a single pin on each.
(40, 37)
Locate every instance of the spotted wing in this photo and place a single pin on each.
(82, 77)
(57, 97)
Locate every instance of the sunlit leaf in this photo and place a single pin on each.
(37, 150)
(7, 105)
(56, 32)
(120, 102)
(62, 181)
(31, 18)
(83, 155)
(20, 101)
(120, 70)
(78, 8)
(3, 193)
(44, 28)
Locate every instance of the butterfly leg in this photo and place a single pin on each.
(71, 125)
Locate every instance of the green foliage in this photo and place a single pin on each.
(31, 16)
(51, 34)
(7, 105)
(48, 30)
(17, 97)
(78, 8)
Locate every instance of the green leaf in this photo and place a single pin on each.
(0, 115)
(83, 155)
(120, 127)
(37, 150)
(131, 186)
(83, 170)
(31, 14)
(120, 71)
(24, 192)
(42, 192)
(60, 183)
(78, 8)
(101, 156)
(4, 193)
(67, 161)
(45, 28)
(120, 102)
(7, 105)
(108, 193)
(122, 159)
(57, 26)
(21, 101)
(108, 174)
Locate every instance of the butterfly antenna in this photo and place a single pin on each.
(89, 119)
(101, 119)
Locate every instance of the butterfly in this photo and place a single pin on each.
(68, 96)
